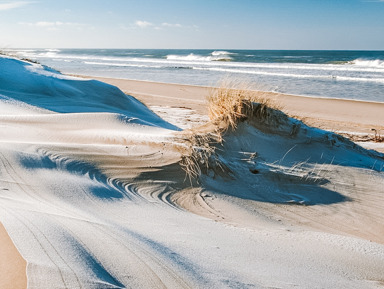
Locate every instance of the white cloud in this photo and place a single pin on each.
(143, 24)
(171, 25)
(47, 24)
(12, 5)
(53, 25)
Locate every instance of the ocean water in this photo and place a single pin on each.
(355, 75)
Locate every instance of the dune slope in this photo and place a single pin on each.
(92, 195)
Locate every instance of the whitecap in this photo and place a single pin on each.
(221, 52)
(194, 57)
(378, 63)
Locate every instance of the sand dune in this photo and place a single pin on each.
(93, 196)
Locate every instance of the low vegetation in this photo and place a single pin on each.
(228, 105)
(233, 102)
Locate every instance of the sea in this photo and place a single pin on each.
(357, 75)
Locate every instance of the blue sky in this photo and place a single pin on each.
(230, 24)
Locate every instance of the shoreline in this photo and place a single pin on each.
(338, 115)
(212, 87)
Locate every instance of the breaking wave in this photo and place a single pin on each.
(220, 52)
(52, 50)
(378, 63)
(215, 56)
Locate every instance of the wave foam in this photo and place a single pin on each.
(218, 56)
(293, 75)
(221, 52)
(369, 63)
(120, 64)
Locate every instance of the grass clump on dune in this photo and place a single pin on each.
(200, 155)
(228, 105)
(234, 101)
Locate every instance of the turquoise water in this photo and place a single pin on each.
(335, 74)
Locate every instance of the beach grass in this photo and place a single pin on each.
(229, 103)
(233, 101)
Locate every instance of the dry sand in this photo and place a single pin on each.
(329, 114)
(101, 200)
(353, 118)
(356, 118)
(12, 265)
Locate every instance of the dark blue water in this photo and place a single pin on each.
(336, 74)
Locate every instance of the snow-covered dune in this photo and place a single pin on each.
(92, 195)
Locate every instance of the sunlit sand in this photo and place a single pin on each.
(92, 193)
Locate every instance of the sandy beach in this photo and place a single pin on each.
(12, 265)
(354, 119)
(330, 114)
(94, 195)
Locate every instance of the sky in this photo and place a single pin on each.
(193, 24)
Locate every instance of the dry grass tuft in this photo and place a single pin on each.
(235, 101)
(228, 105)
(200, 156)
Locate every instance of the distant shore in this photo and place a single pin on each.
(337, 115)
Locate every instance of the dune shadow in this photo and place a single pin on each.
(95, 182)
(277, 159)
(304, 142)
(278, 193)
